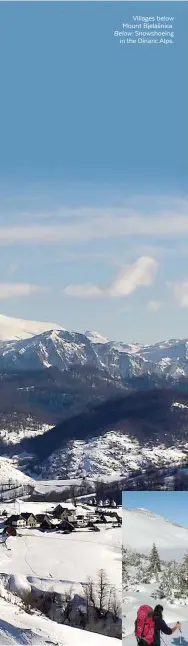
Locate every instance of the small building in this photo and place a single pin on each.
(66, 527)
(16, 521)
(48, 523)
(30, 519)
(67, 515)
(65, 511)
(57, 511)
(39, 518)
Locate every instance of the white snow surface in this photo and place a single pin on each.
(114, 455)
(30, 430)
(9, 472)
(13, 329)
(59, 559)
(142, 528)
(53, 560)
(18, 627)
(95, 337)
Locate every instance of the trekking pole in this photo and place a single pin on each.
(163, 641)
(180, 634)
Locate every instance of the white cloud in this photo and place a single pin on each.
(87, 223)
(154, 306)
(11, 290)
(141, 273)
(181, 293)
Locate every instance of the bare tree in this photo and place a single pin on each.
(114, 604)
(89, 594)
(67, 603)
(102, 590)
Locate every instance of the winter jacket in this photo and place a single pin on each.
(160, 627)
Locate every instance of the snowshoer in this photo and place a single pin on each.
(150, 624)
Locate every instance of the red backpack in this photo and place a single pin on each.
(145, 625)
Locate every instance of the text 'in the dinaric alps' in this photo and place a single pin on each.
(147, 30)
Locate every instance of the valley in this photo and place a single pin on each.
(79, 405)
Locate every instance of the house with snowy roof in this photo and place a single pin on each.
(30, 519)
(65, 512)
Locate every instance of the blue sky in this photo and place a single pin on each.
(172, 505)
(93, 170)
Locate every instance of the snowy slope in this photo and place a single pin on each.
(14, 329)
(9, 472)
(112, 454)
(142, 528)
(95, 337)
(18, 627)
(30, 429)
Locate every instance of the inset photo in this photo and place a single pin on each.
(155, 568)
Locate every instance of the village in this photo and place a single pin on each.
(65, 517)
(56, 556)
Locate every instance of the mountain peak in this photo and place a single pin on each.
(95, 337)
(14, 329)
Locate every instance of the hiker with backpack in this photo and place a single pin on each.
(150, 624)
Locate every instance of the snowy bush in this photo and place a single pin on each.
(171, 578)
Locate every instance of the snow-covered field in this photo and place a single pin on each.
(45, 486)
(51, 560)
(142, 528)
(61, 560)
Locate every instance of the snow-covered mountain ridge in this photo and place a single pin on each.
(142, 528)
(28, 345)
(13, 329)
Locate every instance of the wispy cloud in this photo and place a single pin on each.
(12, 290)
(81, 225)
(141, 273)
